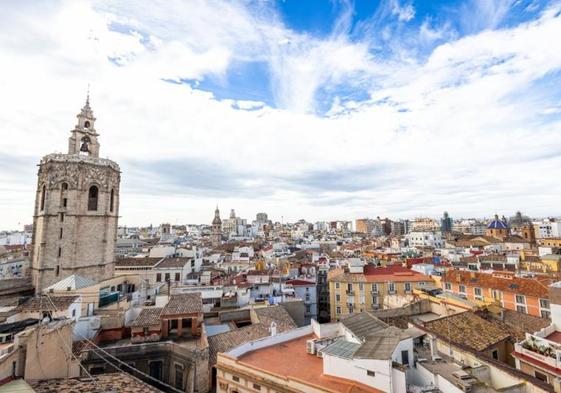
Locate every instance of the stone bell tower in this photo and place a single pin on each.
(76, 210)
(216, 236)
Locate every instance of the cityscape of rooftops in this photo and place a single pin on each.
(281, 196)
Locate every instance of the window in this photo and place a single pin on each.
(545, 314)
(111, 200)
(447, 286)
(59, 252)
(407, 287)
(361, 299)
(391, 287)
(60, 234)
(463, 289)
(521, 299)
(159, 277)
(375, 288)
(540, 376)
(544, 303)
(177, 276)
(361, 286)
(179, 376)
(495, 354)
(57, 270)
(256, 387)
(404, 357)
(370, 373)
(338, 310)
(64, 186)
(374, 299)
(64, 202)
(61, 216)
(478, 293)
(74, 312)
(155, 369)
(92, 198)
(43, 192)
(235, 379)
(350, 287)
(337, 297)
(308, 309)
(145, 330)
(336, 285)
(521, 308)
(167, 277)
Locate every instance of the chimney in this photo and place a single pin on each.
(273, 329)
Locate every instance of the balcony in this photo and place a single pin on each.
(541, 350)
(350, 292)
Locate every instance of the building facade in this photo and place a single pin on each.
(524, 295)
(367, 290)
(76, 210)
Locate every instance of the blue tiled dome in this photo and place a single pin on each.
(497, 224)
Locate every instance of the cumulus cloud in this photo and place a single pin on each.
(444, 121)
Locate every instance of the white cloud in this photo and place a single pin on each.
(404, 12)
(463, 130)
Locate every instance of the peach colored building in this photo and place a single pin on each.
(525, 295)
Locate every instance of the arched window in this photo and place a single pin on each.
(87, 124)
(43, 192)
(111, 200)
(92, 198)
(64, 186)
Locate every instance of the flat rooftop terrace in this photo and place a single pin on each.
(290, 359)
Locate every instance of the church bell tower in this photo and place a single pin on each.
(76, 210)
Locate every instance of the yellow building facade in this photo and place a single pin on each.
(357, 292)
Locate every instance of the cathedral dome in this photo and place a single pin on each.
(519, 220)
(497, 224)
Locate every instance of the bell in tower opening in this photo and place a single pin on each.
(76, 210)
(84, 148)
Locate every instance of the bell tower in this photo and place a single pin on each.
(216, 236)
(83, 138)
(76, 210)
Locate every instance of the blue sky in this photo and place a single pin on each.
(315, 109)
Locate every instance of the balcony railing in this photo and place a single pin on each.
(538, 354)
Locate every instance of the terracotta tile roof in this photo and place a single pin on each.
(185, 303)
(148, 317)
(277, 314)
(507, 283)
(382, 275)
(517, 324)
(137, 262)
(297, 282)
(42, 303)
(169, 263)
(113, 382)
(468, 329)
(224, 342)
